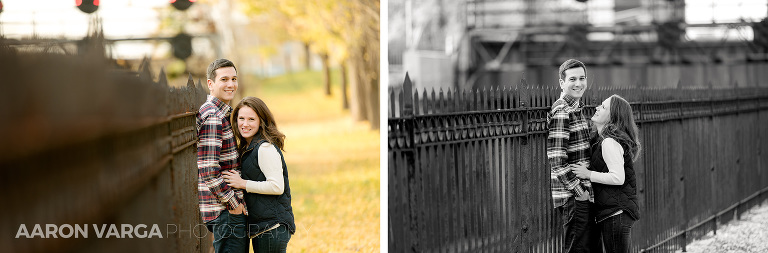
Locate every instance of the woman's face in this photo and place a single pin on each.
(247, 122)
(602, 113)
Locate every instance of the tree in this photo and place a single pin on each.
(363, 35)
(344, 32)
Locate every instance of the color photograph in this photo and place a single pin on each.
(190, 126)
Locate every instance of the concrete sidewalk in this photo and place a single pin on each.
(750, 234)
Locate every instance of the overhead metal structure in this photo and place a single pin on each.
(503, 36)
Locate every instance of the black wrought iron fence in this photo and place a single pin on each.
(468, 170)
(89, 146)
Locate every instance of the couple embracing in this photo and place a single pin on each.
(243, 189)
(592, 174)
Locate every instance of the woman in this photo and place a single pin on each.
(265, 176)
(614, 149)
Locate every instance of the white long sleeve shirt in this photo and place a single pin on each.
(272, 167)
(613, 155)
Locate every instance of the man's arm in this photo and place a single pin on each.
(557, 141)
(208, 156)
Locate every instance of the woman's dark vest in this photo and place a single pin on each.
(609, 199)
(264, 211)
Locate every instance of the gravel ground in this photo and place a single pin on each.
(750, 234)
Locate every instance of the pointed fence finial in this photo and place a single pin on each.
(408, 98)
(523, 83)
(190, 82)
(161, 79)
(144, 71)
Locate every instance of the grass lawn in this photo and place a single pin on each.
(333, 164)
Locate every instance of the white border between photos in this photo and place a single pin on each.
(383, 84)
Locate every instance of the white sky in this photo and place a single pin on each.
(696, 12)
(60, 18)
(705, 11)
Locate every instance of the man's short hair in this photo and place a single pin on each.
(217, 64)
(569, 64)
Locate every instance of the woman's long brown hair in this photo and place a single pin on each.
(267, 125)
(622, 128)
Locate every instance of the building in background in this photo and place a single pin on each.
(476, 44)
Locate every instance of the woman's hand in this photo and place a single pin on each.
(581, 171)
(233, 179)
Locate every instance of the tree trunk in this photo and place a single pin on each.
(364, 65)
(307, 57)
(344, 100)
(373, 95)
(356, 104)
(365, 90)
(327, 73)
(372, 83)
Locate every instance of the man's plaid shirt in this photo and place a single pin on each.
(216, 153)
(567, 144)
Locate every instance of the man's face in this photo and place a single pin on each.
(224, 85)
(575, 82)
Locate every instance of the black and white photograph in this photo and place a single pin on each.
(577, 126)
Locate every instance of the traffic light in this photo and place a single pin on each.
(182, 46)
(87, 6)
(182, 4)
(1, 6)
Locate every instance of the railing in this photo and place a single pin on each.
(468, 170)
(90, 145)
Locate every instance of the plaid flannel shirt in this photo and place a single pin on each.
(216, 153)
(567, 144)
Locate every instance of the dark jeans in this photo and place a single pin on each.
(615, 231)
(273, 241)
(581, 234)
(229, 233)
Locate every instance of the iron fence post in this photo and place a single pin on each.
(409, 153)
(524, 100)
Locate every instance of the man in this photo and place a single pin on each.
(222, 207)
(568, 147)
